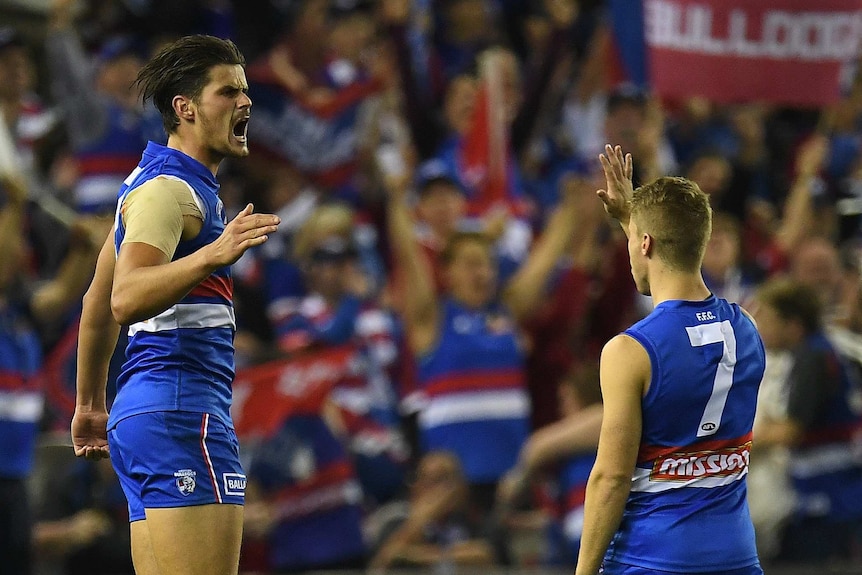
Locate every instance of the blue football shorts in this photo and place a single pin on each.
(176, 459)
(611, 568)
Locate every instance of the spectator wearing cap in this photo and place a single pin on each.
(440, 210)
(106, 123)
(338, 309)
(467, 345)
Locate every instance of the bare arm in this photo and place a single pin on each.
(147, 282)
(775, 432)
(71, 77)
(420, 313)
(58, 295)
(407, 542)
(625, 371)
(97, 337)
(576, 434)
(525, 290)
(11, 224)
(797, 219)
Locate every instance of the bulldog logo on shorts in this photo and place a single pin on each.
(185, 481)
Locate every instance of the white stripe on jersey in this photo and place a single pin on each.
(21, 406)
(96, 190)
(188, 315)
(641, 481)
(822, 460)
(475, 406)
(131, 177)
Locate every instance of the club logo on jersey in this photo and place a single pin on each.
(695, 465)
(185, 481)
(234, 483)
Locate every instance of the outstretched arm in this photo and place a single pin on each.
(798, 217)
(570, 436)
(625, 371)
(525, 290)
(420, 299)
(97, 337)
(56, 297)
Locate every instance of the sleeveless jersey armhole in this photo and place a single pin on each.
(655, 367)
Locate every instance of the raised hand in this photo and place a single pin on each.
(90, 433)
(246, 230)
(812, 155)
(618, 177)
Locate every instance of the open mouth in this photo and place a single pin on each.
(240, 130)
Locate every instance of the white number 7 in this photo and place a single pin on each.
(705, 334)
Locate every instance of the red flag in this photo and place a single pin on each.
(484, 149)
(264, 396)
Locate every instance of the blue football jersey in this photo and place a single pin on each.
(183, 358)
(687, 511)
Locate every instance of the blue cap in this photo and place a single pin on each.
(117, 47)
(435, 171)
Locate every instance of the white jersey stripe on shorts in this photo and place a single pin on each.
(204, 425)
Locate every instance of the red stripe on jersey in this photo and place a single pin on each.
(833, 434)
(214, 286)
(651, 452)
(475, 381)
(10, 381)
(88, 166)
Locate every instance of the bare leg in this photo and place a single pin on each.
(199, 540)
(142, 549)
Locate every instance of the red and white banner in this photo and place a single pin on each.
(781, 51)
(265, 396)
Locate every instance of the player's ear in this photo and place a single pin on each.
(183, 108)
(647, 242)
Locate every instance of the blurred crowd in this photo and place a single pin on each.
(434, 165)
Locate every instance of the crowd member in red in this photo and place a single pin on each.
(587, 300)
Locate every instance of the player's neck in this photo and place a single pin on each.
(191, 148)
(668, 285)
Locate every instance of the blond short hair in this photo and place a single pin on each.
(675, 212)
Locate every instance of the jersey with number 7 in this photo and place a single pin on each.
(687, 510)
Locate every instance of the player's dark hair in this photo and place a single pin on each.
(676, 213)
(792, 301)
(183, 68)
